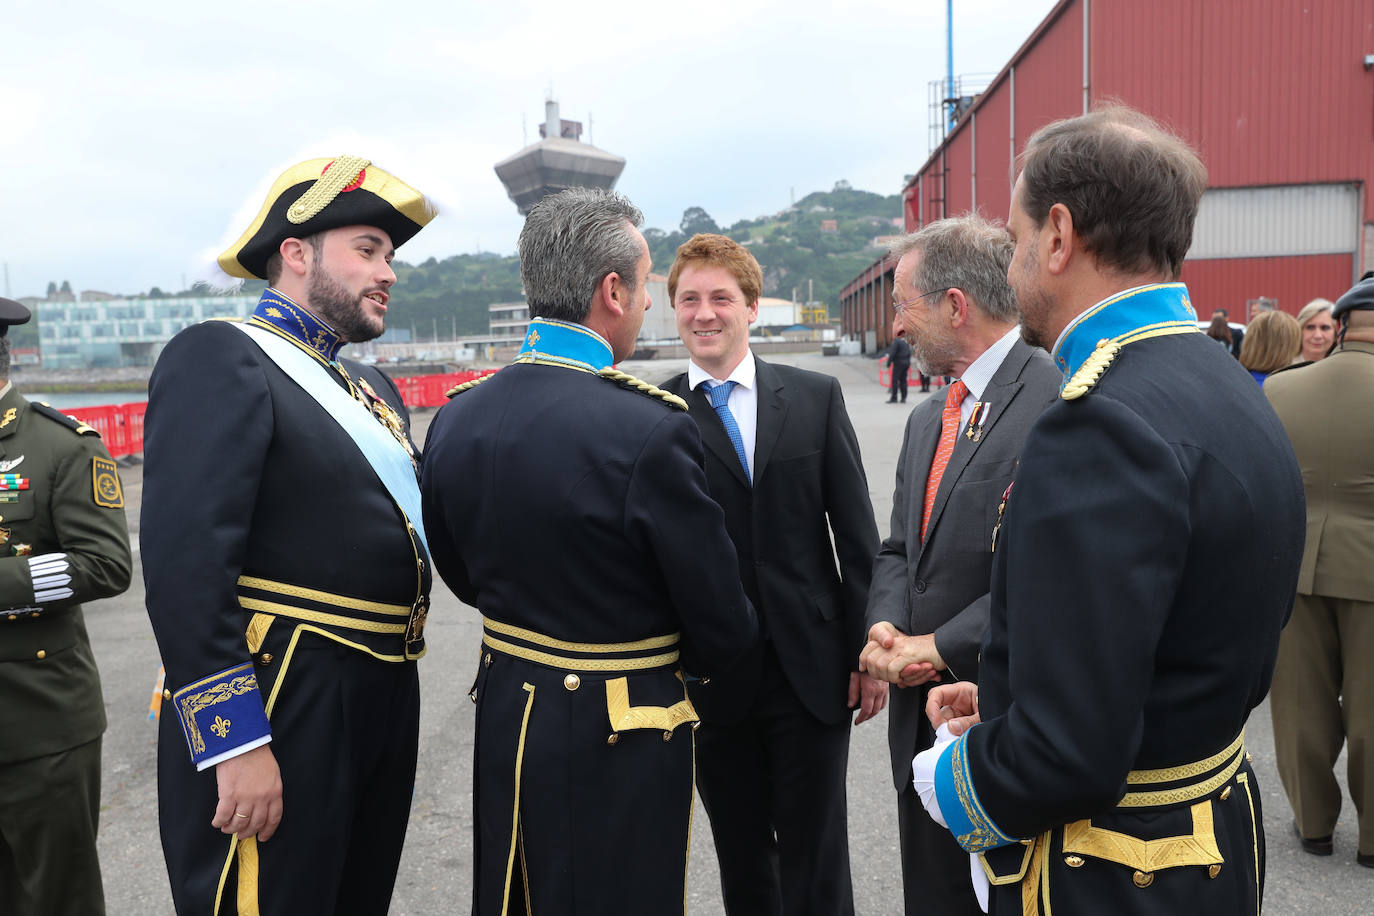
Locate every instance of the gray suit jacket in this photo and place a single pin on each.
(941, 586)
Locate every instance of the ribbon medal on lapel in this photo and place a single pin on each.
(976, 419)
(1001, 509)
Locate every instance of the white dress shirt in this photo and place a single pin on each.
(743, 403)
(979, 374)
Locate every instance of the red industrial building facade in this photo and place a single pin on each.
(1277, 96)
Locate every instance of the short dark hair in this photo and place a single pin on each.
(273, 272)
(571, 241)
(1132, 187)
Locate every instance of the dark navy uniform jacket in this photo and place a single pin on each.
(573, 512)
(1143, 568)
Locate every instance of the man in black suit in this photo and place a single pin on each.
(1109, 771)
(899, 361)
(566, 501)
(929, 597)
(781, 459)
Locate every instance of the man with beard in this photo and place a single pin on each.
(1109, 771)
(286, 565)
(928, 602)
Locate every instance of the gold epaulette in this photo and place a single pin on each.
(1087, 375)
(467, 386)
(72, 423)
(625, 380)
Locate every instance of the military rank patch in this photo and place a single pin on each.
(105, 483)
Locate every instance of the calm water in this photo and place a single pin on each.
(70, 399)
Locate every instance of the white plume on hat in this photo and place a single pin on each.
(421, 168)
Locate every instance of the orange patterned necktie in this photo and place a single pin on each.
(949, 431)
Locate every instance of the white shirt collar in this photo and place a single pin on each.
(743, 373)
(979, 374)
(6, 390)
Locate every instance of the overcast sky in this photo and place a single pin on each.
(133, 132)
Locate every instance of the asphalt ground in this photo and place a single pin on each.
(436, 868)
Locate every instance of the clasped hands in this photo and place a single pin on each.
(895, 657)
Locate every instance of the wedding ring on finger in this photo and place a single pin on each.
(244, 816)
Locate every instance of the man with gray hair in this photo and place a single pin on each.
(928, 602)
(566, 501)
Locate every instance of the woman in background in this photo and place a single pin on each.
(1272, 341)
(1220, 331)
(1318, 330)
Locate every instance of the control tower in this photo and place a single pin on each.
(559, 160)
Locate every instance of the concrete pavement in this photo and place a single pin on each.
(436, 869)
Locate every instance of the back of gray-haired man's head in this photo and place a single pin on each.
(967, 252)
(570, 242)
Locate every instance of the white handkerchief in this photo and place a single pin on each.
(923, 773)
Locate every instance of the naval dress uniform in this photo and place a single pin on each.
(1109, 773)
(63, 541)
(287, 582)
(567, 502)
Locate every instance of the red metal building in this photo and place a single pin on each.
(1276, 95)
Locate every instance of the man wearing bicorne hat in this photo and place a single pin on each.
(63, 541)
(286, 565)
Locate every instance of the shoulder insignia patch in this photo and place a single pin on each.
(625, 380)
(105, 484)
(1088, 374)
(467, 386)
(67, 420)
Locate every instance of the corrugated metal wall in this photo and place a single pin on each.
(1294, 281)
(1272, 92)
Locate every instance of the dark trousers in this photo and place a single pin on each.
(898, 385)
(774, 787)
(345, 731)
(935, 870)
(49, 808)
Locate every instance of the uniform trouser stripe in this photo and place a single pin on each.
(515, 808)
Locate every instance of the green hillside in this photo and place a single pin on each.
(451, 296)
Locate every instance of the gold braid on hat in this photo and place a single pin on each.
(339, 174)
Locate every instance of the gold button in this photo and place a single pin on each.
(1225, 793)
(667, 736)
(1214, 871)
(487, 661)
(166, 694)
(265, 658)
(572, 682)
(613, 738)
(42, 654)
(14, 617)
(1073, 861)
(1143, 879)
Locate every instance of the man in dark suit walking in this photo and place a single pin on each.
(899, 361)
(781, 458)
(929, 599)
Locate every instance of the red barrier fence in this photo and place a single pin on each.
(913, 377)
(121, 425)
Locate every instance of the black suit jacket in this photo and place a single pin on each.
(941, 586)
(808, 482)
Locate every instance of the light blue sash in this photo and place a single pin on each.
(378, 446)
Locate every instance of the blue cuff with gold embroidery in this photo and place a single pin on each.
(964, 814)
(221, 712)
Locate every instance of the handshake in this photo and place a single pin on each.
(909, 661)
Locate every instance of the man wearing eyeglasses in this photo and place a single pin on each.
(928, 602)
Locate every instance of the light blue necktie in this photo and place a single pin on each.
(720, 400)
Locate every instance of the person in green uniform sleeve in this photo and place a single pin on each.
(63, 540)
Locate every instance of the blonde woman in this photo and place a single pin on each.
(1318, 330)
(1272, 340)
